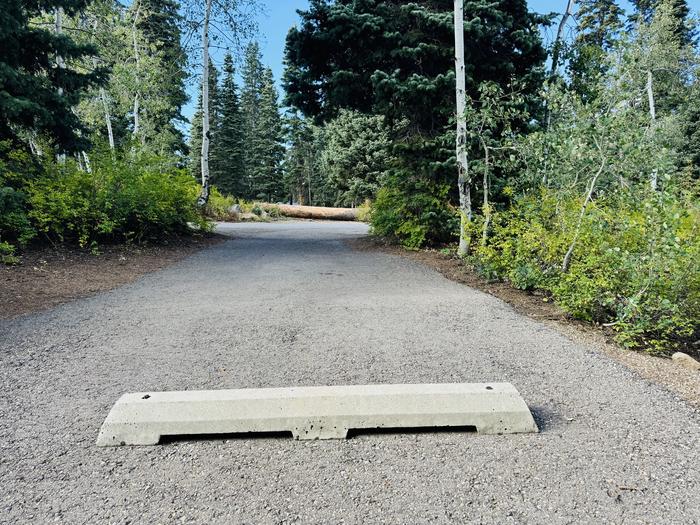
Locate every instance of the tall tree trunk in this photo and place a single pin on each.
(556, 48)
(556, 53)
(60, 157)
(204, 158)
(463, 182)
(108, 118)
(570, 252)
(487, 206)
(88, 166)
(137, 61)
(654, 182)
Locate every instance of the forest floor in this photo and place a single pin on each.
(292, 303)
(48, 276)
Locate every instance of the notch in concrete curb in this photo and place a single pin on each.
(326, 412)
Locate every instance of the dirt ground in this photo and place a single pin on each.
(50, 276)
(661, 370)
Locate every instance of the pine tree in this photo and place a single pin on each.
(227, 165)
(159, 23)
(644, 12)
(600, 22)
(397, 59)
(266, 145)
(250, 112)
(299, 173)
(36, 94)
(196, 129)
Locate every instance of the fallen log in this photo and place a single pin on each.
(314, 212)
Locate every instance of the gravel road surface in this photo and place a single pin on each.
(290, 303)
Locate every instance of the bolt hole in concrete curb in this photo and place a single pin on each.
(327, 412)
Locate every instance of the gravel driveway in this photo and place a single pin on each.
(290, 303)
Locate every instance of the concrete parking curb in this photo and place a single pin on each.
(325, 412)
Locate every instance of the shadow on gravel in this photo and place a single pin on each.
(167, 440)
(411, 430)
(545, 417)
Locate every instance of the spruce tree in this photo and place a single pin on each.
(195, 144)
(644, 12)
(600, 22)
(299, 169)
(396, 59)
(36, 94)
(227, 165)
(266, 145)
(159, 23)
(250, 112)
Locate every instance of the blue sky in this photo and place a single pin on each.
(279, 15)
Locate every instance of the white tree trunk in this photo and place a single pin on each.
(650, 95)
(88, 166)
(654, 181)
(487, 206)
(204, 158)
(569, 253)
(137, 61)
(60, 157)
(108, 118)
(463, 182)
(556, 48)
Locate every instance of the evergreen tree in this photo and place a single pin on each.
(196, 129)
(36, 94)
(600, 22)
(396, 59)
(250, 112)
(644, 12)
(302, 183)
(266, 144)
(227, 155)
(159, 23)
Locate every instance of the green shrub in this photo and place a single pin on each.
(7, 253)
(273, 212)
(121, 200)
(414, 216)
(219, 206)
(16, 166)
(636, 263)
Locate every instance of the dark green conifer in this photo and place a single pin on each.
(36, 94)
(227, 156)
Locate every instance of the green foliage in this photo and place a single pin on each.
(227, 170)
(7, 253)
(264, 145)
(121, 200)
(604, 216)
(355, 155)
(218, 206)
(396, 59)
(303, 179)
(412, 215)
(16, 166)
(36, 93)
(636, 263)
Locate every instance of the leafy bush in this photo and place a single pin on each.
(7, 253)
(219, 206)
(122, 200)
(636, 263)
(15, 226)
(414, 216)
(274, 212)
